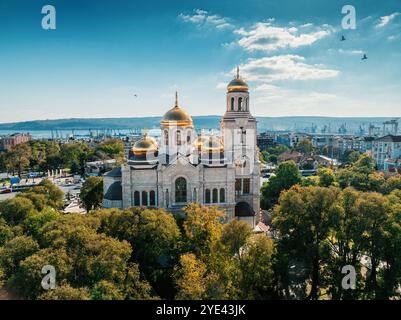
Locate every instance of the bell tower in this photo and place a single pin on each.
(239, 130)
(238, 126)
(237, 95)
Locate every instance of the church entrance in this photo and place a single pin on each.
(180, 190)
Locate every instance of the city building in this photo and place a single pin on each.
(386, 149)
(99, 167)
(183, 167)
(265, 141)
(9, 142)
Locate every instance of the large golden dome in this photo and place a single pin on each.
(177, 116)
(237, 84)
(144, 145)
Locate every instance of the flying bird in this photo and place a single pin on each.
(343, 38)
(364, 57)
(135, 95)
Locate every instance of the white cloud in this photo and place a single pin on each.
(284, 67)
(203, 18)
(351, 52)
(306, 25)
(393, 37)
(266, 37)
(384, 21)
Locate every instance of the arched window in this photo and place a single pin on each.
(207, 196)
(167, 198)
(144, 198)
(232, 104)
(166, 137)
(239, 103)
(222, 195)
(152, 201)
(137, 201)
(178, 137)
(246, 104)
(180, 190)
(215, 196)
(189, 137)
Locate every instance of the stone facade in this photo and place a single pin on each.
(182, 167)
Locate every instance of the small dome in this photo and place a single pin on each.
(209, 143)
(145, 144)
(237, 84)
(177, 116)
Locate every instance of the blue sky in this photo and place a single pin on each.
(104, 52)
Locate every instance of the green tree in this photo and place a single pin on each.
(374, 210)
(14, 251)
(106, 290)
(304, 146)
(27, 278)
(304, 218)
(92, 193)
(66, 292)
(235, 235)
(345, 246)
(15, 210)
(53, 195)
(113, 148)
(257, 279)
(75, 155)
(286, 176)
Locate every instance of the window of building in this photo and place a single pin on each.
(207, 196)
(215, 196)
(232, 104)
(137, 201)
(166, 137)
(222, 195)
(238, 186)
(246, 189)
(144, 198)
(178, 137)
(189, 137)
(240, 104)
(180, 190)
(152, 196)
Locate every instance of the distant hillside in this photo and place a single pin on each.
(207, 122)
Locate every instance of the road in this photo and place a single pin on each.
(65, 188)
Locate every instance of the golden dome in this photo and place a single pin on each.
(209, 143)
(144, 145)
(177, 116)
(237, 84)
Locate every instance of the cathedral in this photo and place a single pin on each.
(183, 167)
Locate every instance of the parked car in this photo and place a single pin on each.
(8, 190)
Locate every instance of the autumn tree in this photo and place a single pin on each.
(191, 278)
(17, 159)
(326, 177)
